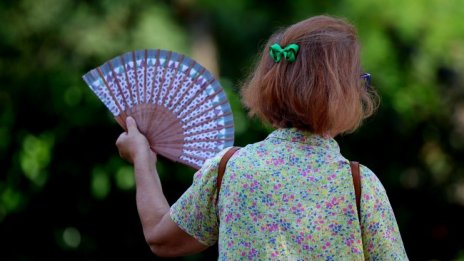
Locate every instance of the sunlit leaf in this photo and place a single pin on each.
(125, 178)
(100, 183)
(35, 157)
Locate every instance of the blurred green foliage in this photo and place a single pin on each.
(65, 193)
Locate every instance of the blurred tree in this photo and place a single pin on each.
(64, 188)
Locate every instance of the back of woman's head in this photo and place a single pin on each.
(321, 91)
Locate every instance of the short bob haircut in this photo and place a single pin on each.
(321, 91)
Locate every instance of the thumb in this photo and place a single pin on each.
(131, 125)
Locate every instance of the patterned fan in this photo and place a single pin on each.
(177, 104)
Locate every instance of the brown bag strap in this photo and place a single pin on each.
(357, 185)
(222, 168)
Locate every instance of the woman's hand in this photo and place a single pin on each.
(133, 146)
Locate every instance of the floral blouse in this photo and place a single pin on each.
(289, 197)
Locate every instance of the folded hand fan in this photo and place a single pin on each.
(177, 104)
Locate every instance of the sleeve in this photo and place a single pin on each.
(380, 233)
(195, 211)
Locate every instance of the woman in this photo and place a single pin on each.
(290, 196)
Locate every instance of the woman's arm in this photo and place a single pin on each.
(380, 233)
(163, 236)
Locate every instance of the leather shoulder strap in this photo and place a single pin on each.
(222, 168)
(357, 185)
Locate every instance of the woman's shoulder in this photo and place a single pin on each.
(370, 181)
(367, 173)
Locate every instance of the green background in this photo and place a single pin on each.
(66, 194)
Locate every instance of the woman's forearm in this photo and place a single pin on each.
(163, 236)
(151, 202)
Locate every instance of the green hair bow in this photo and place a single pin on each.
(289, 52)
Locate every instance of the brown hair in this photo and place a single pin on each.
(321, 91)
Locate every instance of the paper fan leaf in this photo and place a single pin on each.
(177, 104)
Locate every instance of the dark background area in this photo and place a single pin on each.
(66, 194)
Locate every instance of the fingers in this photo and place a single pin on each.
(132, 144)
(123, 145)
(131, 125)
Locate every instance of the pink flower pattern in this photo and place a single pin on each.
(289, 197)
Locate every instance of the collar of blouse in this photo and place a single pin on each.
(314, 140)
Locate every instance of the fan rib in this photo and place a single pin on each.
(193, 134)
(136, 76)
(194, 157)
(214, 151)
(176, 131)
(155, 73)
(193, 141)
(144, 99)
(140, 108)
(208, 120)
(208, 140)
(195, 80)
(145, 77)
(172, 146)
(163, 78)
(123, 62)
(160, 89)
(186, 73)
(166, 64)
(153, 81)
(169, 138)
(111, 91)
(174, 150)
(203, 149)
(207, 110)
(201, 89)
(179, 65)
(165, 144)
(169, 155)
(119, 86)
(172, 81)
